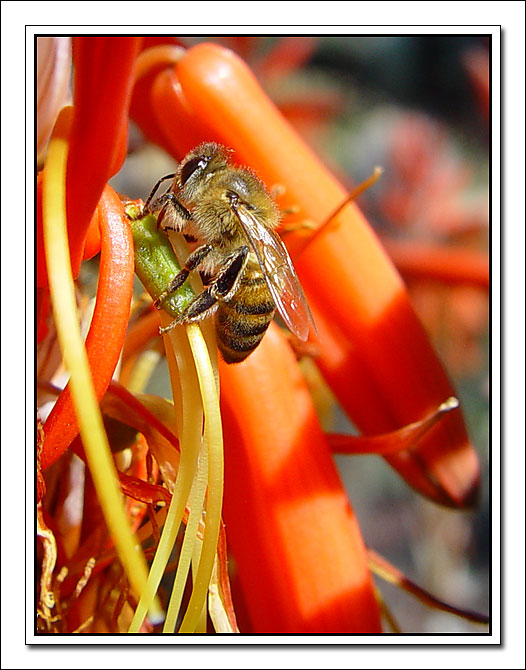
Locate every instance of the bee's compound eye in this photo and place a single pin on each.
(190, 167)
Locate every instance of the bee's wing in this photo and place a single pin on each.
(278, 271)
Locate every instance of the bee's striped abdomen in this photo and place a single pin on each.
(243, 319)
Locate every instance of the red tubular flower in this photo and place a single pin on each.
(108, 326)
(149, 64)
(154, 107)
(446, 264)
(104, 68)
(374, 351)
(104, 76)
(304, 568)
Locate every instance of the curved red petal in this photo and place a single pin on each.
(108, 326)
(295, 539)
(104, 75)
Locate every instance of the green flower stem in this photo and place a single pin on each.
(156, 264)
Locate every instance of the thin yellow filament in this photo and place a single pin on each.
(358, 190)
(214, 444)
(62, 294)
(196, 559)
(143, 370)
(197, 496)
(190, 427)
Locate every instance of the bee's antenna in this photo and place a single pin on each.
(154, 189)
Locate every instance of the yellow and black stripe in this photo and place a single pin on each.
(242, 320)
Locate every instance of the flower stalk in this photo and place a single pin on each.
(195, 393)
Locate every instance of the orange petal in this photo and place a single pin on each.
(295, 539)
(104, 69)
(390, 443)
(108, 325)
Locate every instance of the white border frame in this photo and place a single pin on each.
(511, 14)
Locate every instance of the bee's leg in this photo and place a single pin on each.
(192, 262)
(149, 199)
(226, 280)
(179, 216)
(223, 284)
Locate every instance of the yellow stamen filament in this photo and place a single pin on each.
(196, 559)
(358, 190)
(188, 406)
(197, 496)
(91, 427)
(143, 370)
(214, 443)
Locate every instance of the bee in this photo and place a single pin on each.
(247, 269)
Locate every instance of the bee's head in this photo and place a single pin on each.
(198, 166)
